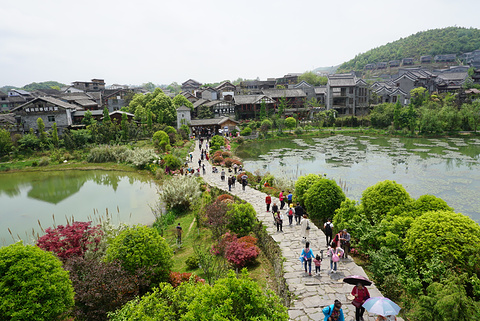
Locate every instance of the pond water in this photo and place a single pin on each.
(52, 198)
(447, 168)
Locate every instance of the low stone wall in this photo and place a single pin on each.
(274, 254)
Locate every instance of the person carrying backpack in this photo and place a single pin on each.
(307, 256)
(290, 213)
(328, 227)
(333, 312)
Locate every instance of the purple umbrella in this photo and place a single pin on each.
(355, 279)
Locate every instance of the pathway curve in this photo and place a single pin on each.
(310, 293)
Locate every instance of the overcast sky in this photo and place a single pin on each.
(133, 42)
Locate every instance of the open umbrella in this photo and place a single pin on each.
(382, 306)
(355, 279)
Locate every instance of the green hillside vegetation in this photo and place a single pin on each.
(451, 40)
(36, 86)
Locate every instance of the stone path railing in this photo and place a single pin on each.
(310, 293)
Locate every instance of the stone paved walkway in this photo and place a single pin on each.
(311, 293)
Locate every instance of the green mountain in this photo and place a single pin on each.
(451, 40)
(35, 86)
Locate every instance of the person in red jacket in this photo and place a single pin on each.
(268, 201)
(361, 294)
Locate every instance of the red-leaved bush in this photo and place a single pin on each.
(224, 197)
(215, 217)
(177, 278)
(226, 154)
(70, 240)
(217, 160)
(101, 287)
(238, 251)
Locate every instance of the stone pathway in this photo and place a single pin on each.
(310, 293)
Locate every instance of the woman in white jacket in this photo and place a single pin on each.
(305, 225)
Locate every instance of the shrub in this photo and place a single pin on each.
(107, 153)
(445, 233)
(381, 198)
(228, 162)
(29, 142)
(172, 162)
(247, 131)
(100, 287)
(226, 154)
(240, 140)
(70, 240)
(224, 197)
(177, 278)
(5, 142)
(290, 122)
(142, 247)
(303, 183)
(217, 142)
(242, 218)
(427, 203)
(192, 262)
(236, 298)
(217, 160)
(298, 131)
(323, 198)
(180, 192)
(141, 157)
(170, 130)
(216, 219)
(44, 161)
(161, 140)
(242, 251)
(34, 286)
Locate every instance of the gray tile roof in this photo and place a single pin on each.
(289, 93)
(210, 121)
(51, 100)
(183, 107)
(200, 102)
(342, 80)
(249, 99)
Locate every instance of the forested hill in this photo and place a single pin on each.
(451, 40)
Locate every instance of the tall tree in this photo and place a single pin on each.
(55, 135)
(124, 125)
(282, 105)
(181, 100)
(41, 130)
(263, 111)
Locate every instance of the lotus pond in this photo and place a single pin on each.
(448, 168)
(55, 197)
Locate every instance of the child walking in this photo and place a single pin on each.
(318, 263)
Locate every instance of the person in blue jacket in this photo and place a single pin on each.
(307, 256)
(334, 312)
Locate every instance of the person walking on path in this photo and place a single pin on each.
(281, 197)
(274, 208)
(305, 227)
(307, 256)
(318, 263)
(234, 179)
(361, 295)
(289, 198)
(345, 242)
(335, 253)
(290, 214)
(229, 182)
(279, 220)
(203, 169)
(333, 312)
(235, 168)
(244, 181)
(268, 201)
(222, 175)
(328, 228)
(298, 213)
(199, 162)
(179, 234)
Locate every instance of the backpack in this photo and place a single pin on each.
(328, 229)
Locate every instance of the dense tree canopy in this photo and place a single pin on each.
(313, 79)
(156, 103)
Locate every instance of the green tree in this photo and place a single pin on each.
(142, 247)
(41, 130)
(313, 79)
(471, 112)
(204, 112)
(150, 86)
(161, 140)
(180, 100)
(396, 115)
(263, 110)
(55, 135)
(5, 142)
(381, 198)
(290, 122)
(418, 95)
(33, 284)
(444, 233)
(302, 184)
(106, 116)
(149, 121)
(242, 218)
(88, 118)
(323, 198)
(124, 125)
(282, 106)
(266, 125)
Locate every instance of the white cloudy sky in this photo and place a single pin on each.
(132, 42)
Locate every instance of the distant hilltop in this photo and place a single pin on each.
(455, 41)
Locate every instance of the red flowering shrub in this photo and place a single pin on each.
(217, 153)
(216, 219)
(228, 162)
(226, 154)
(177, 278)
(70, 240)
(224, 197)
(217, 160)
(241, 253)
(238, 251)
(236, 161)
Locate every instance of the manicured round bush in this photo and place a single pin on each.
(443, 233)
(246, 132)
(242, 218)
(161, 140)
(427, 203)
(172, 162)
(142, 247)
(33, 284)
(302, 184)
(381, 198)
(323, 198)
